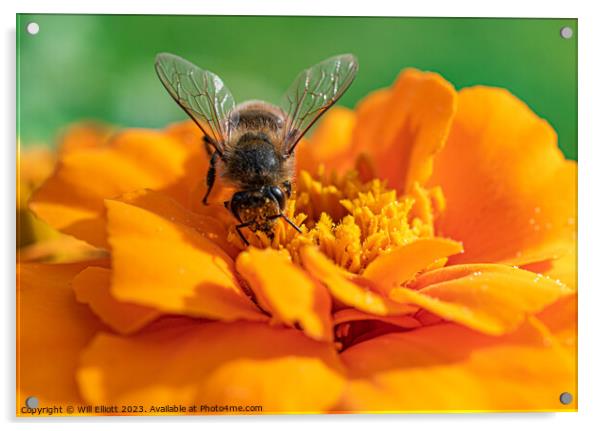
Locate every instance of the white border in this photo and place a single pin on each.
(469, 8)
(590, 214)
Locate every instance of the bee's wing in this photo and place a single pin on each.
(314, 91)
(201, 93)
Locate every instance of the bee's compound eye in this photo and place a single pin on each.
(288, 189)
(279, 195)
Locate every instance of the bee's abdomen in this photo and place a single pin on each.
(253, 161)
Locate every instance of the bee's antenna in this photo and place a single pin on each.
(289, 221)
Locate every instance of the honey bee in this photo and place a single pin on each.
(252, 144)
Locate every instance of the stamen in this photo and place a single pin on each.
(350, 220)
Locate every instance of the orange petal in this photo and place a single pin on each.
(52, 329)
(71, 200)
(493, 299)
(563, 268)
(450, 368)
(58, 249)
(188, 363)
(352, 315)
(560, 319)
(341, 286)
(92, 287)
(453, 272)
(34, 165)
(287, 292)
(330, 143)
(511, 195)
(172, 267)
(210, 226)
(83, 136)
(392, 269)
(404, 127)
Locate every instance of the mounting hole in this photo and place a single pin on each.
(566, 32)
(32, 402)
(33, 28)
(566, 398)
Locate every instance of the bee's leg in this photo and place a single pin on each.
(288, 220)
(211, 146)
(233, 206)
(210, 176)
(208, 148)
(238, 230)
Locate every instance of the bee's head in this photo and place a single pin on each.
(258, 207)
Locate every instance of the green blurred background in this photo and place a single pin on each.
(101, 66)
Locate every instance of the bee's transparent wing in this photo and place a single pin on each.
(201, 93)
(314, 91)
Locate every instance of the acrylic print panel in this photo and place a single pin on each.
(413, 249)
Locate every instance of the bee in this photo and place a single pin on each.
(252, 144)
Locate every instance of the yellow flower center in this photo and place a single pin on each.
(350, 220)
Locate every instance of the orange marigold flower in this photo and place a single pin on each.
(435, 269)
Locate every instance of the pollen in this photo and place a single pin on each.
(350, 220)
